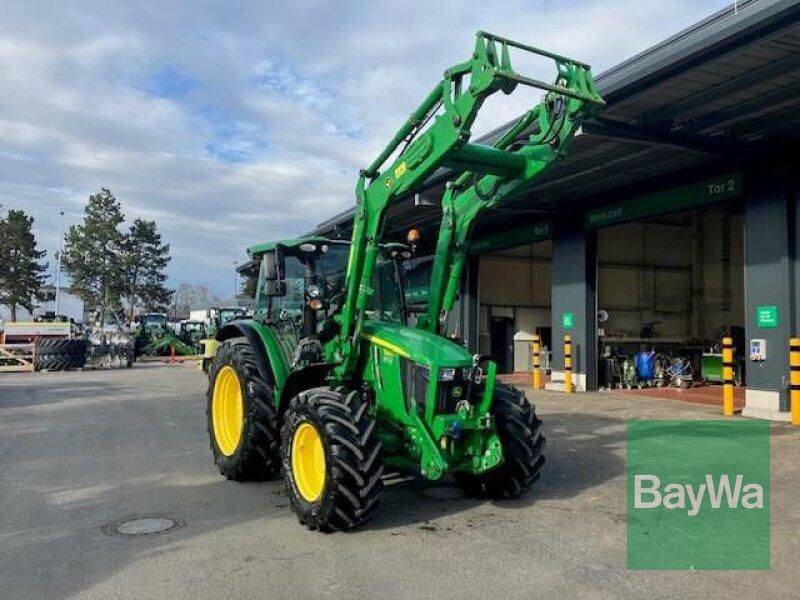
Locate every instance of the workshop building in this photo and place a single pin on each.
(671, 224)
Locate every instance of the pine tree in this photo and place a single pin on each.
(21, 273)
(92, 254)
(144, 259)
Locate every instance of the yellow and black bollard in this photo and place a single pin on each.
(536, 363)
(568, 364)
(727, 376)
(794, 379)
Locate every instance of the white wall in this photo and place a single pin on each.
(69, 305)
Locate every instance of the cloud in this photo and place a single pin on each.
(234, 123)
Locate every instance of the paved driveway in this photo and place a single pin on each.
(79, 451)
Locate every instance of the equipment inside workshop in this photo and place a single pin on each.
(670, 288)
(515, 299)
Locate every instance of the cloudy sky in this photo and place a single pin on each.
(232, 122)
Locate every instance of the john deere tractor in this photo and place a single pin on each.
(150, 329)
(333, 378)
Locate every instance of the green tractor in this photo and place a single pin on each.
(191, 333)
(336, 376)
(223, 316)
(150, 329)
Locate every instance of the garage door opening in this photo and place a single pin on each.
(515, 300)
(669, 289)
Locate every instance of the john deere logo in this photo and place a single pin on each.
(698, 495)
(457, 391)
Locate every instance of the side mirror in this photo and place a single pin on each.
(273, 265)
(274, 288)
(273, 268)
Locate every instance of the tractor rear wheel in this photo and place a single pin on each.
(331, 462)
(520, 432)
(242, 424)
(60, 354)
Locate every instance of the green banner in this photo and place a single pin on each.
(698, 495)
(678, 198)
(568, 320)
(513, 237)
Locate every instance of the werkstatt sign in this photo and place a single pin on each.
(767, 317)
(678, 198)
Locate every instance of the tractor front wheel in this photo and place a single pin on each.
(242, 425)
(331, 462)
(520, 432)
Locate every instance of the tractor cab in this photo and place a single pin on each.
(299, 283)
(151, 328)
(191, 332)
(301, 286)
(223, 316)
(153, 323)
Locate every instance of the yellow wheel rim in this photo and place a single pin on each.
(227, 410)
(308, 462)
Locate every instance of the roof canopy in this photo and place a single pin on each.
(722, 93)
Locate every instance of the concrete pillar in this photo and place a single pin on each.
(574, 293)
(768, 278)
(698, 275)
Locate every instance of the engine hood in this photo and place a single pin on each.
(415, 344)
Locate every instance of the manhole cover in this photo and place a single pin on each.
(443, 493)
(143, 525)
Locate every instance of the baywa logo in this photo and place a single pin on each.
(648, 494)
(698, 494)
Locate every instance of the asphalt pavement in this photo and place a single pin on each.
(83, 452)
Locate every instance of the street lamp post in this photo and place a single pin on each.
(60, 252)
(235, 281)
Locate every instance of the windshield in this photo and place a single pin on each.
(154, 321)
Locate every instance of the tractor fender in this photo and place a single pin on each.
(314, 375)
(269, 356)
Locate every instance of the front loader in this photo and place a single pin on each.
(330, 381)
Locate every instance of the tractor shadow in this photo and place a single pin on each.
(583, 451)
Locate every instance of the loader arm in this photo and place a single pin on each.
(536, 141)
(437, 135)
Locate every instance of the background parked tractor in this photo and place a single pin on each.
(148, 330)
(334, 377)
(218, 318)
(191, 333)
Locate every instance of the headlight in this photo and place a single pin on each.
(313, 291)
(445, 374)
